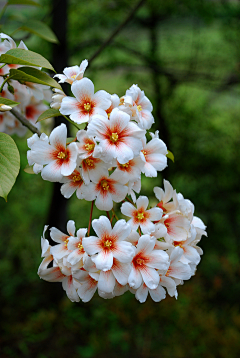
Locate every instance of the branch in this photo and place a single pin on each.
(118, 29)
(25, 122)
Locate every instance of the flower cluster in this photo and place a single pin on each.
(30, 95)
(155, 250)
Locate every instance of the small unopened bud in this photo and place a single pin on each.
(4, 107)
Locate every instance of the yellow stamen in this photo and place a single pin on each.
(66, 242)
(139, 107)
(144, 153)
(167, 225)
(126, 165)
(76, 178)
(89, 162)
(89, 146)
(80, 247)
(73, 76)
(61, 155)
(87, 106)
(104, 184)
(140, 216)
(114, 137)
(140, 261)
(108, 243)
(108, 114)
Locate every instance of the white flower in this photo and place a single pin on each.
(154, 156)
(140, 216)
(61, 250)
(145, 261)
(118, 137)
(57, 98)
(75, 246)
(86, 104)
(60, 159)
(140, 106)
(110, 243)
(74, 73)
(105, 190)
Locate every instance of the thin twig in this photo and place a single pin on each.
(25, 122)
(118, 29)
(90, 218)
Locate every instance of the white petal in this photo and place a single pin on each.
(103, 260)
(106, 281)
(135, 278)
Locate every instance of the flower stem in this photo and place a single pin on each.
(90, 218)
(6, 79)
(130, 201)
(73, 123)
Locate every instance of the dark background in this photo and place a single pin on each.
(185, 55)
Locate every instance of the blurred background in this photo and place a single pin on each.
(185, 55)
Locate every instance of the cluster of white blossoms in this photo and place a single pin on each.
(155, 249)
(30, 95)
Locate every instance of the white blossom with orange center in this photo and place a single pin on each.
(105, 190)
(61, 250)
(60, 159)
(86, 103)
(75, 245)
(140, 216)
(130, 171)
(145, 262)
(74, 73)
(175, 271)
(139, 105)
(118, 137)
(154, 155)
(72, 183)
(110, 243)
(86, 145)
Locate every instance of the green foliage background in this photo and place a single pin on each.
(200, 45)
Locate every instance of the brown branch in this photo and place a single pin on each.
(118, 29)
(25, 122)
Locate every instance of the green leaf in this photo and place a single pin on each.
(29, 169)
(170, 155)
(8, 102)
(9, 164)
(29, 74)
(23, 57)
(40, 29)
(49, 113)
(23, 2)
